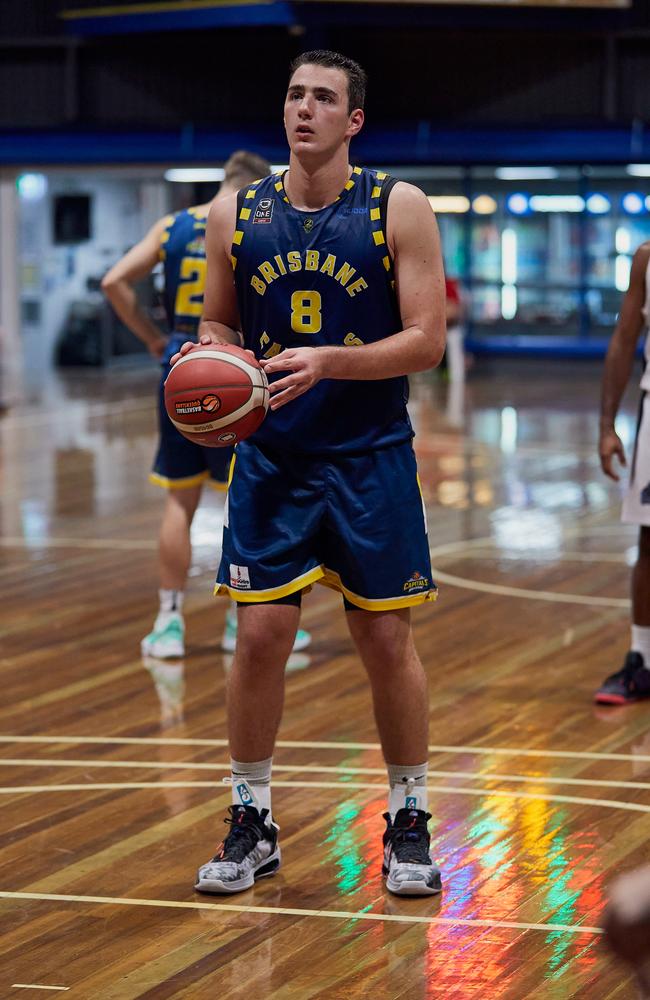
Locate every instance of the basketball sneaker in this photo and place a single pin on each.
(250, 851)
(407, 865)
(630, 683)
(166, 639)
(229, 637)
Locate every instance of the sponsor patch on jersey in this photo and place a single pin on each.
(308, 225)
(239, 577)
(416, 582)
(264, 211)
(186, 406)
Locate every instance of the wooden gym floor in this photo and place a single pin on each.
(111, 766)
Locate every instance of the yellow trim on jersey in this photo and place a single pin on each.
(349, 184)
(357, 170)
(381, 175)
(378, 237)
(273, 593)
(233, 261)
(251, 193)
(245, 214)
(375, 214)
(238, 236)
(177, 484)
(332, 580)
(217, 485)
(279, 186)
(231, 470)
(386, 262)
(376, 191)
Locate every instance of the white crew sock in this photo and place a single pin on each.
(171, 601)
(408, 787)
(641, 643)
(251, 783)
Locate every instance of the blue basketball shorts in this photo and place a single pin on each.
(180, 463)
(355, 523)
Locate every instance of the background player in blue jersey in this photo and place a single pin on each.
(339, 290)
(180, 466)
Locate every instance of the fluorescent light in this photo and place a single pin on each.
(623, 240)
(194, 175)
(456, 203)
(638, 169)
(508, 257)
(622, 269)
(526, 173)
(31, 187)
(598, 204)
(508, 301)
(517, 203)
(484, 204)
(633, 203)
(557, 203)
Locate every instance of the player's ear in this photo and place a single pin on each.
(355, 122)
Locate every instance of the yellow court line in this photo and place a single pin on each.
(324, 745)
(188, 765)
(338, 785)
(297, 912)
(530, 595)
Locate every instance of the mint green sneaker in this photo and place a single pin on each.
(229, 637)
(166, 640)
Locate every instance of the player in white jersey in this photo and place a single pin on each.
(632, 681)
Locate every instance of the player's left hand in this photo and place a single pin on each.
(306, 367)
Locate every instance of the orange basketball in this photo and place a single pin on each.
(217, 395)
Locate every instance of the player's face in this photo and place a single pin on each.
(316, 113)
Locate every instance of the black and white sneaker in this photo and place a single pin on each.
(407, 864)
(250, 851)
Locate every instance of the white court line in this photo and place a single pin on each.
(324, 745)
(34, 986)
(122, 544)
(338, 785)
(529, 595)
(295, 912)
(188, 765)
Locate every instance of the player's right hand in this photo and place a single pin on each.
(186, 347)
(610, 445)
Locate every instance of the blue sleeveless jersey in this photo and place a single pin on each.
(308, 279)
(182, 251)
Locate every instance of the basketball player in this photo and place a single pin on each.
(339, 291)
(632, 681)
(180, 466)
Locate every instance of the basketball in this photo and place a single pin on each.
(217, 395)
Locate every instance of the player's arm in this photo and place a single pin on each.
(118, 286)
(220, 320)
(619, 361)
(419, 281)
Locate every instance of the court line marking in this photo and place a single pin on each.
(297, 912)
(35, 986)
(524, 593)
(188, 765)
(126, 786)
(325, 745)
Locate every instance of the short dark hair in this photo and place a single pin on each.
(357, 78)
(243, 168)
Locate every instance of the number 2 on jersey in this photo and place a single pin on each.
(306, 312)
(189, 297)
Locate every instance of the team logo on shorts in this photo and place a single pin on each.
(239, 577)
(211, 403)
(416, 582)
(263, 211)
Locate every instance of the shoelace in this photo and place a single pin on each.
(410, 845)
(242, 838)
